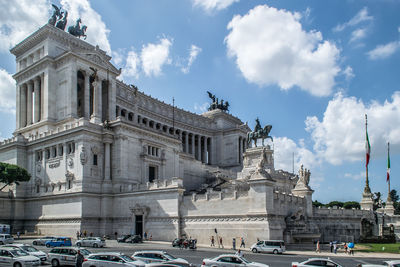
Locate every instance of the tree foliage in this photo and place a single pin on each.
(351, 205)
(377, 199)
(395, 199)
(339, 204)
(12, 174)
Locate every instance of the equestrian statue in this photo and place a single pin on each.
(77, 30)
(258, 133)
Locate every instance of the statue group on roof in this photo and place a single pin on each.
(216, 104)
(59, 20)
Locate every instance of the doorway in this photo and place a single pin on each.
(139, 225)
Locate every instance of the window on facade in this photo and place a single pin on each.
(37, 188)
(60, 150)
(53, 152)
(39, 155)
(152, 173)
(71, 148)
(95, 159)
(69, 184)
(59, 187)
(153, 151)
(47, 153)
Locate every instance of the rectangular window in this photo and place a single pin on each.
(152, 173)
(94, 159)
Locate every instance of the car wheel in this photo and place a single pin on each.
(78, 244)
(254, 250)
(17, 264)
(34, 243)
(95, 245)
(47, 245)
(55, 263)
(275, 251)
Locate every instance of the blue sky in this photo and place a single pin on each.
(312, 69)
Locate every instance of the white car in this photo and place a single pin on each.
(6, 239)
(65, 255)
(154, 256)
(42, 241)
(96, 242)
(394, 263)
(318, 262)
(16, 258)
(272, 246)
(111, 259)
(230, 260)
(31, 251)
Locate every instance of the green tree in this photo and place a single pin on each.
(395, 199)
(376, 197)
(12, 174)
(316, 203)
(335, 203)
(351, 204)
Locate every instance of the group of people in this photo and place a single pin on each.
(80, 234)
(333, 245)
(221, 245)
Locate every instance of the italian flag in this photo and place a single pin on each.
(388, 168)
(367, 148)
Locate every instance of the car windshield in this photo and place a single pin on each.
(29, 249)
(126, 258)
(85, 251)
(169, 256)
(18, 253)
(244, 260)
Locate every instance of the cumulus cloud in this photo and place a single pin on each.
(358, 34)
(211, 5)
(348, 73)
(132, 65)
(384, 51)
(18, 19)
(7, 92)
(154, 56)
(97, 32)
(361, 16)
(271, 47)
(194, 52)
(285, 148)
(340, 135)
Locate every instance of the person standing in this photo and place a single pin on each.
(318, 249)
(212, 241)
(331, 246)
(335, 247)
(18, 234)
(79, 259)
(242, 242)
(77, 235)
(234, 243)
(220, 242)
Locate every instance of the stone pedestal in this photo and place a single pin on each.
(259, 159)
(367, 203)
(389, 208)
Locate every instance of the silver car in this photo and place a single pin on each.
(6, 239)
(96, 242)
(65, 255)
(317, 262)
(42, 241)
(230, 260)
(152, 256)
(17, 258)
(31, 251)
(111, 259)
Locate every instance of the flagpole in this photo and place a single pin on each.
(389, 198)
(367, 190)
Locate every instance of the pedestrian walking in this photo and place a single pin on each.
(77, 235)
(318, 249)
(220, 242)
(18, 234)
(79, 259)
(331, 246)
(212, 241)
(345, 247)
(145, 235)
(242, 242)
(234, 243)
(335, 247)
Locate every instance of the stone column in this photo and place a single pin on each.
(186, 142)
(198, 147)
(86, 94)
(240, 149)
(36, 88)
(96, 116)
(204, 156)
(41, 96)
(193, 152)
(29, 104)
(210, 159)
(107, 163)
(112, 91)
(23, 88)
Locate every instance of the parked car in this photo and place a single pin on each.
(150, 256)
(65, 256)
(318, 262)
(16, 257)
(6, 239)
(177, 242)
(95, 242)
(111, 259)
(272, 246)
(42, 241)
(134, 239)
(161, 264)
(227, 260)
(59, 242)
(122, 239)
(31, 251)
(394, 263)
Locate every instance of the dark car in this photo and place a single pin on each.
(177, 242)
(134, 239)
(122, 239)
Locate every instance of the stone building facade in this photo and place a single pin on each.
(106, 158)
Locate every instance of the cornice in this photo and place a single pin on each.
(38, 66)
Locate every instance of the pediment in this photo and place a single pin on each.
(99, 59)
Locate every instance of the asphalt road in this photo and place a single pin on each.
(196, 256)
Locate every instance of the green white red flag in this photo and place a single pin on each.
(367, 148)
(388, 168)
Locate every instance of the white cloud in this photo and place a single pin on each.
(18, 19)
(194, 52)
(97, 32)
(356, 176)
(154, 56)
(201, 108)
(360, 17)
(358, 34)
(7, 92)
(348, 73)
(340, 135)
(283, 156)
(384, 51)
(271, 47)
(211, 5)
(132, 65)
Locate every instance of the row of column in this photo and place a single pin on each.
(242, 148)
(30, 101)
(201, 149)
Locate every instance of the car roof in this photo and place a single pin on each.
(16, 245)
(150, 251)
(324, 259)
(77, 248)
(108, 253)
(7, 248)
(393, 261)
(226, 255)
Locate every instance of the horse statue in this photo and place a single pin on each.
(56, 14)
(62, 22)
(77, 30)
(258, 133)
